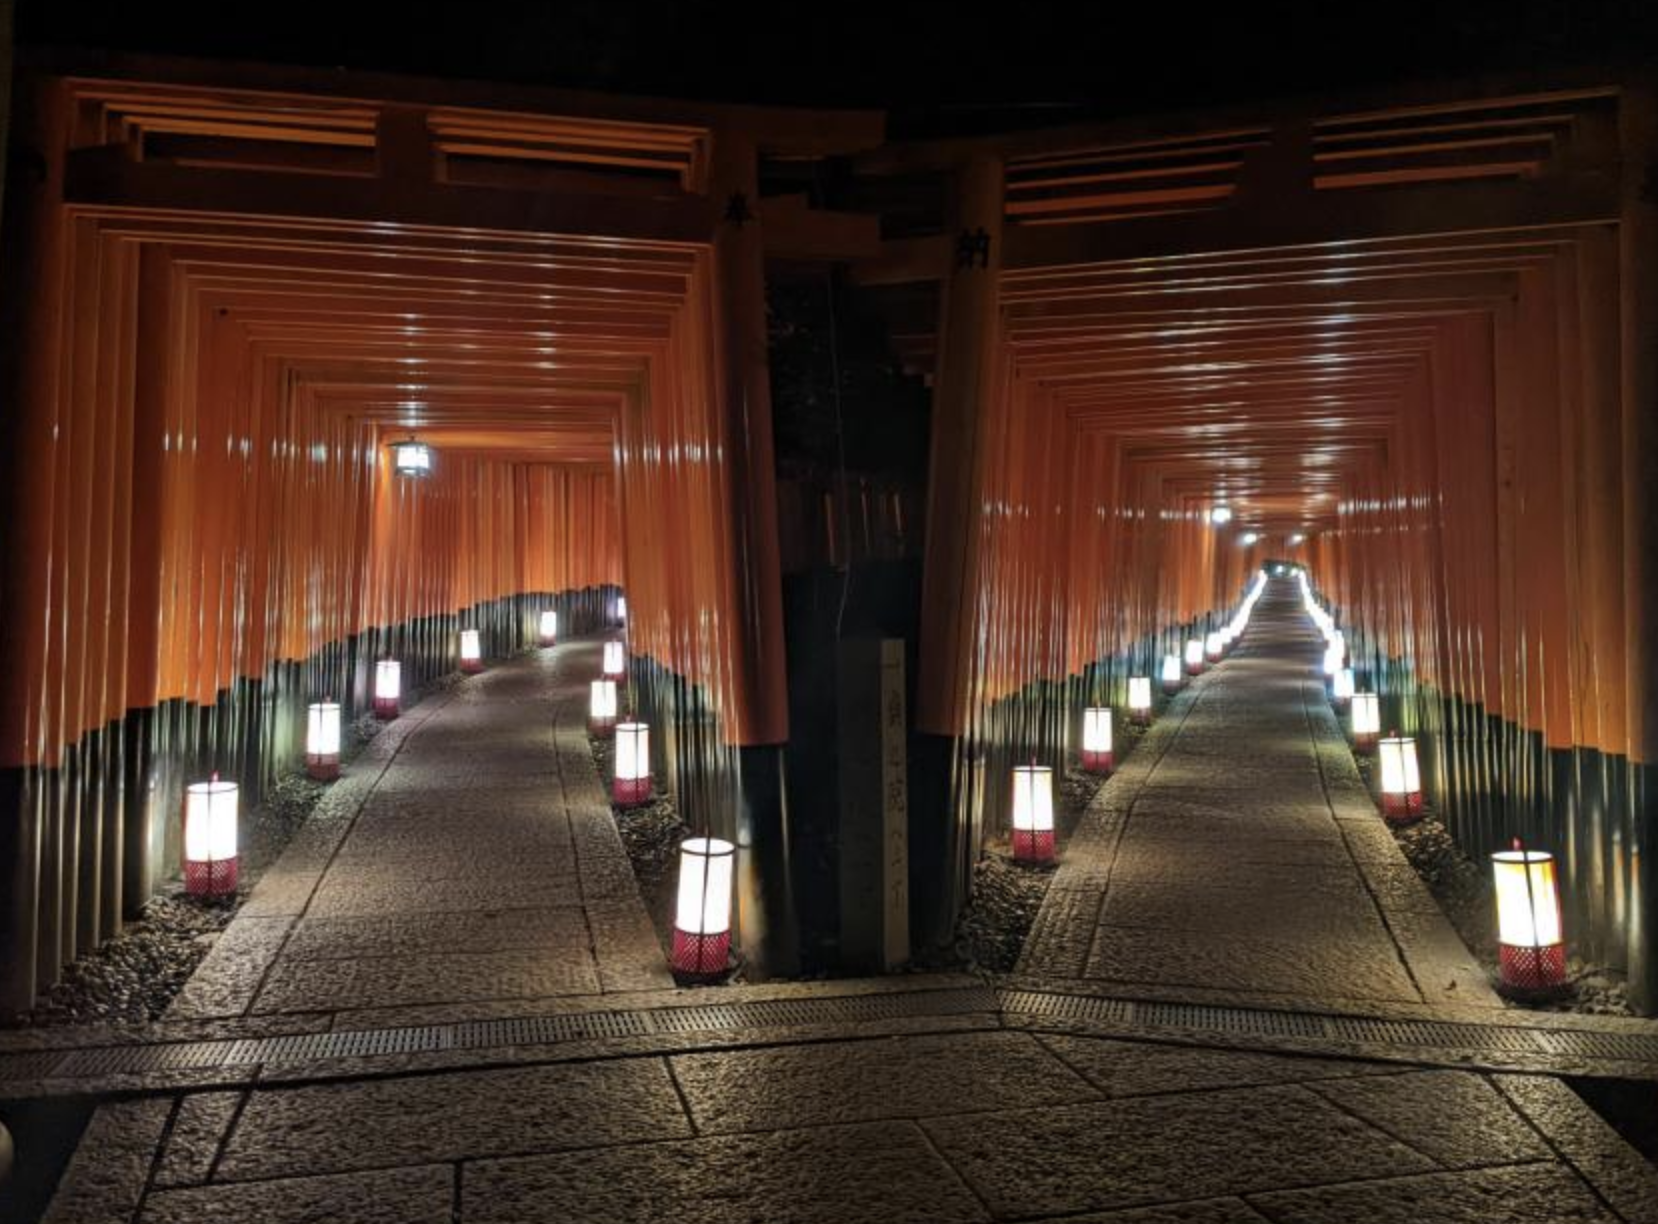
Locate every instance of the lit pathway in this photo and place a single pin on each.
(1237, 854)
(468, 857)
(475, 886)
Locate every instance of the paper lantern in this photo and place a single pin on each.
(1401, 780)
(615, 661)
(1220, 515)
(601, 708)
(702, 915)
(388, 688)
(1139, 699)
(549, 627)
(1341, 691)
(1033, 814)
(322, 739)
(1096, 739)
(1194, 657)
(632, 784)
(472, 652)
(621, 609)
(1531, 954)
(412, 458)
(1365, 719)
(1170, 674)
(1214, 646)
(210, 867)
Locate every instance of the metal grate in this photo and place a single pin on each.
(1421, 1039)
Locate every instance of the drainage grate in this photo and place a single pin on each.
(1424, 1039)
(1421, 1036)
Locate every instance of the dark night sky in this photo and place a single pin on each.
(937, 66)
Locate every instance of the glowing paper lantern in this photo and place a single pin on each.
(1401, 780)
(1221, 515)
(1170, 674)
(1096, 739)
(632, 785)
(601, 707)
(615, 661)
(1194, 657)
(388, 688)
(322, 739)
(549, 627)
(1033, 813)
(412, 458)
(702, 916)
(210, 867)
(1531, 952)
(1139, 699)
(1341, 690)
(1214, 646)
(1365, 715)
(472, 652)
(621, 609)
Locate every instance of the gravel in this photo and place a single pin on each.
(651, 833)
(1465, 892)
(132, 978)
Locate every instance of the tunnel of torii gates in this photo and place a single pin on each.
(1412, 342)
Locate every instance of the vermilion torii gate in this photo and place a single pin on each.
(1417, 332)
(1409, 340)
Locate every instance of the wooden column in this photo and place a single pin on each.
(967, 343)
(1639, 296)
(766, 927)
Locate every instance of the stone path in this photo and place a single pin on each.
(470, 858)
(1238, 855)
(467, 869)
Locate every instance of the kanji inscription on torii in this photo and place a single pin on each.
(874, 803)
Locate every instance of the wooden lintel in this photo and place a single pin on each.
(106, 178)
(1326, 217)
(791, 230)
(903, 261)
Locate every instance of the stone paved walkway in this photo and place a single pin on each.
(474, 872)
(468, 858)
(1238, 855)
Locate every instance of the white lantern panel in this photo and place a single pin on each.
(603, 701)
(210, 822)
(1033, 799)
(1399, 772)
(614, 662)
(1366, 714)
(471, 649)
(1528, 911)
(549, 624)
(633, 750)
(1096, 729)
(413, 458)
(705, 873)
(1194, 652)
(1344, 684)
(322, 728)
(388, 679)
(1139, 692)
(1171, 669)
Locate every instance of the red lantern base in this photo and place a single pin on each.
(1364, 742)
(1194, 669)
(323, 768)
(629, 792)
(547, 641)
(1033, 847)
(215, 878)
(1096, 762)
(385, 708)
(1214, 656)
(472, 666)
(1140, 718)
(701, 956)
(1171, 688)
(618, 677)
(1401, 809)
(1532, 970)
(601, 728)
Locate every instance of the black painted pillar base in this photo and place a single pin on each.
(767, 925)
(936, 891)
